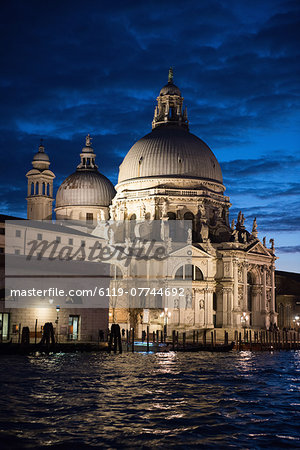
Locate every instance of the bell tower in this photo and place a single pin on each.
(40, 187)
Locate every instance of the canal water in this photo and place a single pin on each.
(184, 400)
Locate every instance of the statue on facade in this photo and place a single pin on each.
(164, 208)
(254, 228)
(189, 237)
(143, 211)
(111, 236)
(235, 235)
(204, 231)
(188, 300)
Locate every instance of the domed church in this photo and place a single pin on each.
(172, 174)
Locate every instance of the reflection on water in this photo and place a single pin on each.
(138, 400)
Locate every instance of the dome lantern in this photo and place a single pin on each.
(169, 109)
(86, 192)
(87, 156)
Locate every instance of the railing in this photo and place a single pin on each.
(170, 192)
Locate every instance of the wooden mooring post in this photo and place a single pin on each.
(183, 339)
(204, 337)
(226, 337)
(173, 339)
(147, 338)
(132, 337)
(35, 331)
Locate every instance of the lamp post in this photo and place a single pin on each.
(296, 321)
(244, 320)
(166, 315)
(57, 319)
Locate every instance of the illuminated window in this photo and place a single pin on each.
(4, 326)
(189, 272)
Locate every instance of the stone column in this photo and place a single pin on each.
(219, 293)
(235, 284)
(229, 307)
(225, 307)
(272, 305)
(209, 301)
(244, 307)
(263, 305)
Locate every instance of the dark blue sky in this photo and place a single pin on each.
(73, 67)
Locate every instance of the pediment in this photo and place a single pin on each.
(196, 252)
(258, 249)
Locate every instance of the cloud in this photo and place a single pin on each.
(288, 249)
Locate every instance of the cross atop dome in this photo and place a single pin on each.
(41, 146)
(169, 110)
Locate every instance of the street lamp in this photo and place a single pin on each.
(166, 315)
(244, 319)
(296, 321)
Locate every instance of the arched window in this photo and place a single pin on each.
(188, 216)
(32, 189)
(171, 215)
(179, 273)
(189, 272)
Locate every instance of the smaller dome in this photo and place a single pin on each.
(41, 155)
(85, 188)
(170, 89)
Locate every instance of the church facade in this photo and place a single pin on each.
(171, 175)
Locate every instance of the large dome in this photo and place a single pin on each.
(170, 151)
(85, 188)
